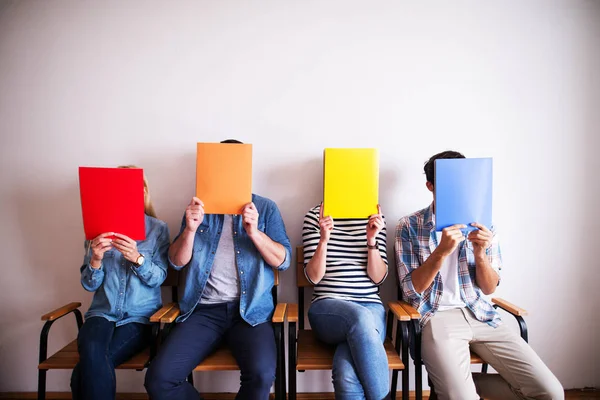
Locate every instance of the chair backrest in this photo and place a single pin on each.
(171, 282)
(302, 284)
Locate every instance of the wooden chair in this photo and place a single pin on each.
(222, 359)
(68, 357)
(415, 337)
(305, 352)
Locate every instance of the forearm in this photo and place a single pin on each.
(376, 267)
(423, 276)
(272, 252)
(315, 269)
(180, 252)
(150, 273)
(486, 277)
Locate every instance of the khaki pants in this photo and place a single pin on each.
(445, 349)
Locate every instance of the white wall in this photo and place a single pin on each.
(106, 83)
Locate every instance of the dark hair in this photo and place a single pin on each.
(231, 141)
(429, 167)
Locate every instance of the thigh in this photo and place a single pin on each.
(445, 351)
(189, 343)
(515, 361)
(128, 340)
(253, 346)
(378, 314)
(95, 336)
(332, 319)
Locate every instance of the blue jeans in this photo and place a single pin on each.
(360, 366)
(192, 340)
(103, 346)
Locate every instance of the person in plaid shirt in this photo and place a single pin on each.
(446, 277)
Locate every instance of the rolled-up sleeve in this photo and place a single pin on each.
(275, 230)
(406, 260)
(153, 271)
(91, 278)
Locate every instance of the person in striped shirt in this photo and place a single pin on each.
(445, 276)
(346, 261)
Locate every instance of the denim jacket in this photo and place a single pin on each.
(256, 277)
(126, 293)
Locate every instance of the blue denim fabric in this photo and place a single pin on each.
(103, 346)
(360, 367)
(126, 293)
(194, 339)
(256, 277)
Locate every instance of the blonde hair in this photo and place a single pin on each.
(148, 207)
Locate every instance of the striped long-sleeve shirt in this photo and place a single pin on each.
(346, 275)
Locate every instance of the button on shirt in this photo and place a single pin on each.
(124, 292)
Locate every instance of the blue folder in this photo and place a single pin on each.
(463, 192)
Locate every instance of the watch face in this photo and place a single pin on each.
(140, 260)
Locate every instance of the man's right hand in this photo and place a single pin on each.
(452, 236)
(194, 215)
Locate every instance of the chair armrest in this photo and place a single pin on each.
(398, 311)
(292, 312)
(412, 312)
(279, 314)
(59, 312)
(156, 317)
(509, 307)
(170, 316)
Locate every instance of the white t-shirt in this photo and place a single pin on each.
(451, 287)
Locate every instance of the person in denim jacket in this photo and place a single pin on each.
(226, 264)
(125, 277)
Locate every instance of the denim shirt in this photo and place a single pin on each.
(256, 277)
(125, 293)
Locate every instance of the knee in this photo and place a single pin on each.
(261, 376)
(92, 350)
(155, 382)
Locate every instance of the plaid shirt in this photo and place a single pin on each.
(415, 241)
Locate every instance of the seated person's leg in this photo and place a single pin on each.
(363, 328)
(187, 345)
(445, 352)
(523, 373)
(255, 351)
(127, 341)
(346, 383)
(93, 377)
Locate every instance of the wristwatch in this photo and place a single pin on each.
(374, 247)
(139, 261)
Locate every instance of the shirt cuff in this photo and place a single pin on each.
(94, 270)
(410, 289)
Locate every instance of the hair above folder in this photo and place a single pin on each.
(233, 141)
(429, 167)
(148, 207)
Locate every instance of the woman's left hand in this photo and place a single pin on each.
(127, 247)
(374, 226)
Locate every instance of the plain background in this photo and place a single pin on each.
(108, 83)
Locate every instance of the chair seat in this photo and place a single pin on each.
(316, 355)
(68, 357)
(220, 360)
(475, 359)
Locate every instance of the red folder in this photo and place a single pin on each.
(112, 200)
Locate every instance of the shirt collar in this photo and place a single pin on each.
(429, 218)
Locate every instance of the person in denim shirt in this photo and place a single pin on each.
(226, 264)
(126, 276)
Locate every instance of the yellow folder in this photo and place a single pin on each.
(224, 177)
(351, 182)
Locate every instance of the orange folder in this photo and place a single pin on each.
(224, 177)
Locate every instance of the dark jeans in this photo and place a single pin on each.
(193, 340)
(103, 346)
